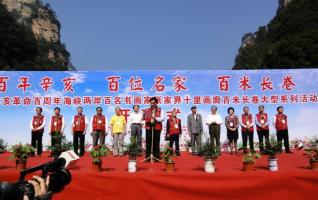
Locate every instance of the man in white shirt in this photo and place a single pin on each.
(36, 125)
(134, 125)
(214, 121)
(79, 126)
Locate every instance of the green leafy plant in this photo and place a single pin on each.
(133, 149)
(3, 146)
(273, 149)
(21, 152)
(208, 151)
(250, 157)
(166, 154)
(98, 152)
(65, 145)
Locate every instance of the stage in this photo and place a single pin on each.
(294, 180)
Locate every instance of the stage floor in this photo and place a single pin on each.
(294, 180)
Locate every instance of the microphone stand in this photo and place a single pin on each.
(151, 157)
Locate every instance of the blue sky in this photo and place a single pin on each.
(158, 34)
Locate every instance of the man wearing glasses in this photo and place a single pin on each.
(99, 127)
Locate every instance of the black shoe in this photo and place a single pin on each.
(178, 154)
(288, 151)
(194, 154)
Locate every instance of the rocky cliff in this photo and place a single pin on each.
(289, 40)
(41, 20)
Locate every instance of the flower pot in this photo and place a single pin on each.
(209, 166)
(21, 165)
(97, 166)
(170, 167)
(248, 167)
(132, 166)
(314, 164)
(272, 164)
(190, 149)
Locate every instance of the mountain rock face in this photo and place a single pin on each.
(284, 3)
(41, 21)
(289, 40)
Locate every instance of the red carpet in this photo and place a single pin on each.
(293, 180)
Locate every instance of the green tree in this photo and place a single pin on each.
(290, 40)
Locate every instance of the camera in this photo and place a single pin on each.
(59, 178)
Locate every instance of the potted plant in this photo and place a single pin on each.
(167, 154)
(57, 149)
(249, 160)
(3, 146)
(21, 154)
(210, 154)
(272, 151)
(97, 153)
(189, 146)
(132, 151)
(312, 152)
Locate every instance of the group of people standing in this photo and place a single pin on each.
(98, 127)
(152, 119)
(232, 123)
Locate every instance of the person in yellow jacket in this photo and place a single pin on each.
(118, 130)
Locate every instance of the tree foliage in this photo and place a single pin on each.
(290, 40)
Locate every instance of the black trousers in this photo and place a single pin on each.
(36, 141)
(79, 136)
(248, 135)
(214, 131)
(283, 135)
(156, 142)
(175, 139)
(261, 135)
(136, 131)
